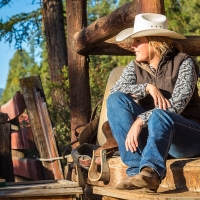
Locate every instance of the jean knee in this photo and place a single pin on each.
(158, 117)
(114, 99)
(157, 113)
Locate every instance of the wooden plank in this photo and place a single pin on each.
(28, 168)
(15, 106)
(48, 133)
(62, 197)
(105, 27)
(40, 192)
(27, 85)
(25, 183)
(32, 185)
(141, 194)
(181, 174)
(78, 67)
(6, 171)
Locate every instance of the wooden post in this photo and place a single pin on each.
(80, 102)
(6, 169)
(150, 6)
(40, 125)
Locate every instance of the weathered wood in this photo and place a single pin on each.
(6, 171)
(142, 194)
(60, 189)
(25, 183)
(14, 107)
(191, 46)
(80, 102)
(40, 192)
(181, 174)
(150, 6)
(42, 184)
(48, 133)
(27, 85)
(105, 28)
(63, 197)
(20, 178)
(28, 168)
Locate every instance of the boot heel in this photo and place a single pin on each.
(154, 190)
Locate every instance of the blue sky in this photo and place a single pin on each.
(7, 51)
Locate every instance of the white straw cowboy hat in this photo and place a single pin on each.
(149, 24)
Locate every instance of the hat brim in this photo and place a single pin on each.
(150, 32)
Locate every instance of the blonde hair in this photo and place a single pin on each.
(160, 44)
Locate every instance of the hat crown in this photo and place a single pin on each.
(149, 24)
(148, 21)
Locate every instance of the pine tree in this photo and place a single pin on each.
(21, 65)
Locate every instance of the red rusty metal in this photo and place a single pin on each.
(15, 106)
(22, 139)
(26, 167)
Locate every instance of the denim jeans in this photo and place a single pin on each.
(166, 134)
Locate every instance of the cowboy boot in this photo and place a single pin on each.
(147, 178)
(110, 145)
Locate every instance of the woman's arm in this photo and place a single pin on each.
(127, 83)
(184, 87)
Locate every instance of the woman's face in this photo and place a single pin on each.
(141, 48)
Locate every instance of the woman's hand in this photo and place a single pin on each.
(159, 99)
(131, 142)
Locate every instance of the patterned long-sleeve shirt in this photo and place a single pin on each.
(181, 94)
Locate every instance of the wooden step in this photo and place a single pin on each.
(46, 189)
(142, 194)
(181, 174)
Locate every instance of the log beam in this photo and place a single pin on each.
(78, 67)
(105, 28)
(191, 46)
(108, 26)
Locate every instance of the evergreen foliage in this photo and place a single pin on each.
(21, 27)
(21, 65)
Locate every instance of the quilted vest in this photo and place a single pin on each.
(165, 80)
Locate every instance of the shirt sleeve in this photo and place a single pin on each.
(183, 90)
(127, 83)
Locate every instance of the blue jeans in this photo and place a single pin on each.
(166, 134)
